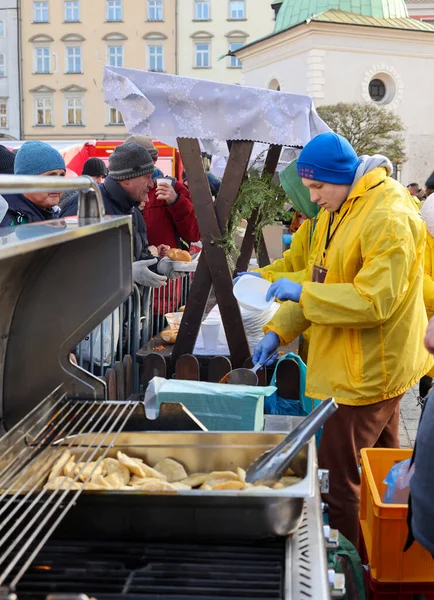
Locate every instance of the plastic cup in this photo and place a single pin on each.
(210, 335)
(174, 319)
(162, 181)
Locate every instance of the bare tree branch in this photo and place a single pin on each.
(370, 129)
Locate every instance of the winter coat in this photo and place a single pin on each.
(21, 211)
(118, 202)
(168, 224)
(368, 318)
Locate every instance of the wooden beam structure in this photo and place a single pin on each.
(213, 269)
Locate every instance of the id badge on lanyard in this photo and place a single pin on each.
(318, 274)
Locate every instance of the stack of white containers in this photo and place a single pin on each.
(250, 292)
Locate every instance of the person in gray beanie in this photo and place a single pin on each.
(126, 187)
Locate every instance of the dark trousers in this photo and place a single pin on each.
(349, 430)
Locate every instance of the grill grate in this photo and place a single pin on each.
(157, 570)
(28, 512)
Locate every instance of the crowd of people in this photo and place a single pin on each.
(357, 283)
(161, 208)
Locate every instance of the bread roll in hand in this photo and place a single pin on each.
(179, 255)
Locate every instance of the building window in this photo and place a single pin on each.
(43, 110)
(2, 29)
(116, 56)
(237, 9)
(155, 10)
(73, 59)
(42, 62)
(377, 90)
(115, 117)
(202, 11)
(74, 110)
(202, 55)
(114, 10)
(3, 114)
(156, 61)
(2, 66)
(234, 62)
(40, 12)
(72, 12)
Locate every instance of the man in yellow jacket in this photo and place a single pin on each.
(363, 298)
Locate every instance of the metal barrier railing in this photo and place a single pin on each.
(131, 326)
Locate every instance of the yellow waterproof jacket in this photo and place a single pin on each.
(368, 319)
(428, 280)
(294, 261)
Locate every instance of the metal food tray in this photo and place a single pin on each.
(191, 514)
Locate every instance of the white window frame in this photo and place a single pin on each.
(109, 7)
(234, 62)
(202, 3)
(197, 42)
(44, 97)
(116, 112)
(73, 46)
(3, 24)
(2, 64)
(115, 46)
(155, 56)
(4, 115)
(237, 18)
(43, 58)
(38, 8)
(76, 8)
(75, 98)
(156, 6)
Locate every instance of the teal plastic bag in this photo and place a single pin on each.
(276, 405)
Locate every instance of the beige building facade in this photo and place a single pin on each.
(209, 29)
(65, 46)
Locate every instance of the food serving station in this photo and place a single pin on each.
(61, 538)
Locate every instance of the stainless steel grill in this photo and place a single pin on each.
(29, 514)
(55, 288)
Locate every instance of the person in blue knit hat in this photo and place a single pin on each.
(34, 158)
(362, 297)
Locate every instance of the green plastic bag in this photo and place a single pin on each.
(346, 560)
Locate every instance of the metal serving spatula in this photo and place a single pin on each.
(272, 464)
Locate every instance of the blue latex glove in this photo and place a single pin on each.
(285, 289)
(265, 347)
(242, 273)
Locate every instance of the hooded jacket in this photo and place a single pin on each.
(118, 202)
(21, 211)
(368, 318)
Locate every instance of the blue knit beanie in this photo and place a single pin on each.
(34, 158)
(329, 158)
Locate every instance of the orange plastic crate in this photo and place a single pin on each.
(384, 526)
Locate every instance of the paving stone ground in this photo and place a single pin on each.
(410, 413)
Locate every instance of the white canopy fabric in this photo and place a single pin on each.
(168, 106)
